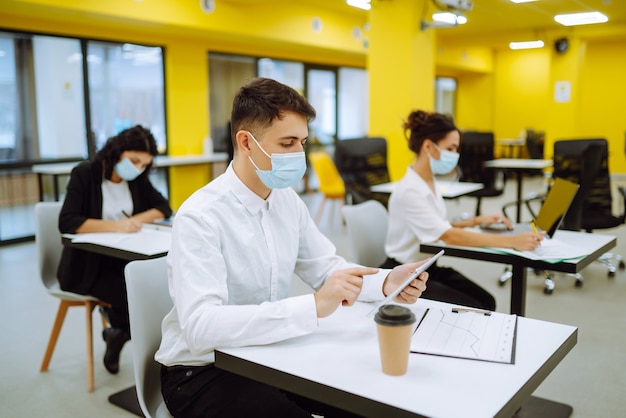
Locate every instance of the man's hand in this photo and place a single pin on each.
(414, 290)
(343, 287)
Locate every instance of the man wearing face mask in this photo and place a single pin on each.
(417, 212)
(236, 245)
(112, 193)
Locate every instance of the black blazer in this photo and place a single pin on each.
(78, 269)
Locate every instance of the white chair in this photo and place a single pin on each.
(148, 302)
(366, 224)
(49, 248)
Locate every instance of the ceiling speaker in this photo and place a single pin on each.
(561, 45)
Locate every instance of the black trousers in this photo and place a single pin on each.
(110, 287)
(445, 284)
(206, 391)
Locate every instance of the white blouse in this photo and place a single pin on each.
(416, 215)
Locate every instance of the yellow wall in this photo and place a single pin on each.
(602, 97)
(521, 91)
(401, 72)
(518, 92)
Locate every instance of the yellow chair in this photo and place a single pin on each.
(330, 182)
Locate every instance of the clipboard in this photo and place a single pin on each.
(466, 333)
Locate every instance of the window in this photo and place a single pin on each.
(126, 89)
(46, 114)
(445, 95)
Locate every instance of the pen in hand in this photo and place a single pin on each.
(128, 216)
(532, 223)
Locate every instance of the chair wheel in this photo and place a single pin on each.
(501, 282)
(547, 291)
(622, 265)
(578, 283)
(611, 274)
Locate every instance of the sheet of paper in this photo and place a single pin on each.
(550, 250)
(147, 241)
(470, 335)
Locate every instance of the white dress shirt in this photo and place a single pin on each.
(231, 264)
(416, 215)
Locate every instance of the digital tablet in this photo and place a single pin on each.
(413, 276)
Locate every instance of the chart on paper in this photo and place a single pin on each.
(471, 335)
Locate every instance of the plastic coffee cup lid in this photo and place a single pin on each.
(394, 315)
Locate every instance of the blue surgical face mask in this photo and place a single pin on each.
(127, 170)
(446, 162)
(287, 169)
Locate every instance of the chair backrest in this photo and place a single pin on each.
(570, 164)
(330, 182)
(48, 241)
(476, 148)
(534, 144)
(362, 163)
(366, 224)
(148, 302)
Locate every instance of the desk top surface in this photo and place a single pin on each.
(519, 163)
(594, 244)
(449, 189)
(339, 363)
(159, 161)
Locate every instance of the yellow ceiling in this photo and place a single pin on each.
(501, 19)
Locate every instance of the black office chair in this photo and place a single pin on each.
(362, 163)
(476, 148)
(596, 206)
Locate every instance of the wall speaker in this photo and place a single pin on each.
(561, 45)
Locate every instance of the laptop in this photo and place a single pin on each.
(551, 213)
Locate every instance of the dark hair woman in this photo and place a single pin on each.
(111, 193)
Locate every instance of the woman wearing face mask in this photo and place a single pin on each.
(111, 193)
(417, 212)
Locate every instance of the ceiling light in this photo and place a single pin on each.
(526, 45)
(449, 18)
(581, 18)
(522, 1)
(361, 4)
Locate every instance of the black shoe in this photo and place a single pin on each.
(115, 339)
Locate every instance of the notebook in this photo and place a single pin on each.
(552, 210)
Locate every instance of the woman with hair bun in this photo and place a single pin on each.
(417, 212)
(112, 193)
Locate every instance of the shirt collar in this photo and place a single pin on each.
(250, 200)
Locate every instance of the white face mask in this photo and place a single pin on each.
(446, 162)
(287, 169)
(127, 170)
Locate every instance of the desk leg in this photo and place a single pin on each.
(127, 399)
(40, 181)
(518, 289)
(519, 196)
(55, 180)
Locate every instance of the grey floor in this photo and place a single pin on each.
(591, 378)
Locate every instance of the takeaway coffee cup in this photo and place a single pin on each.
(395, 325)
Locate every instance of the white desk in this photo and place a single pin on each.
(594, 244)
(151, 241)
(339, 365)
(54, 170)
(449, 189)
(160, 161)
(518, 165)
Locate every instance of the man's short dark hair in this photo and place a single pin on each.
(263, 100)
